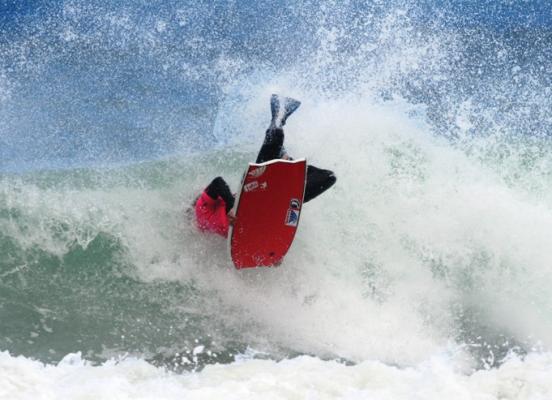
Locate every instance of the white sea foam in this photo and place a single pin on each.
(298, 378)
(416, 235)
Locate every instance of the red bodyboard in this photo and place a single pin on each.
(267, 214)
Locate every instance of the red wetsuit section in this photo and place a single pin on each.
(211, 215)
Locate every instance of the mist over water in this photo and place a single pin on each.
(428, 263)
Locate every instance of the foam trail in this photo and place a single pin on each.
(300, 377)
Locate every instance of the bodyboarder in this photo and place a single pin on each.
(213, 208)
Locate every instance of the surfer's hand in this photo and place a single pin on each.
(231, 218)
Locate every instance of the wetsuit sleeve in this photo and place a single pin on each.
(318, 181)
(219, 187)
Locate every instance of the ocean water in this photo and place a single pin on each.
(424, 273)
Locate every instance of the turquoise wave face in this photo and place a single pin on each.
(69, 271)
(89, 300)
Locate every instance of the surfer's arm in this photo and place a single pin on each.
(220, 220)
(231, 217)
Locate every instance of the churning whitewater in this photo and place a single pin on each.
(424, 272)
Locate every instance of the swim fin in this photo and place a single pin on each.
(282, 108)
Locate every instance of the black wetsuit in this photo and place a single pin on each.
(318, 180)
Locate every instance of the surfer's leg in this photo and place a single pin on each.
(281, 108)
(219, 187)
(272, 145)
(318, 181)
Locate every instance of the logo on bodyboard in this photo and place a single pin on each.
(255, 173)
(295, 204)
(292, 215)
(251, 186)
(254, 185)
